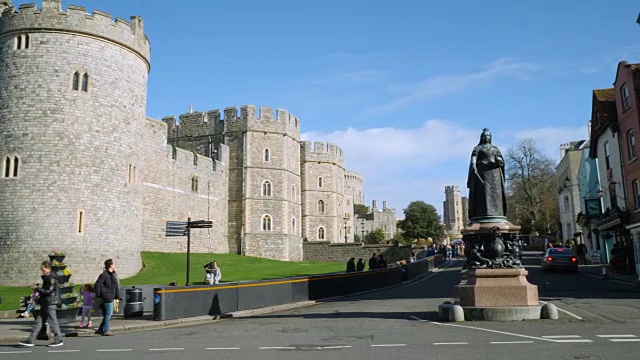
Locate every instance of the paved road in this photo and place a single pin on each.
(602, 321)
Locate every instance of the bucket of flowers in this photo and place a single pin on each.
(67, 313)
(65, 289)
(68, 298)
(56, 256)
(63, 275)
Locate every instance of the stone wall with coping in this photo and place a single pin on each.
(327, 251)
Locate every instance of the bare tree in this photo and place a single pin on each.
(531, 187)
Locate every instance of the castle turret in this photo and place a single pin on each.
(73, 92)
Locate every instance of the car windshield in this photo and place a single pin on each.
(566, 252)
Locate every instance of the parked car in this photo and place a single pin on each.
(559, 258)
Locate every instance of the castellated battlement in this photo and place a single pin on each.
(230, 120)
(321, 152)
(451, 188)
(75, 20)
(353, 176)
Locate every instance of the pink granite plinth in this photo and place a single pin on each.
(497, 287)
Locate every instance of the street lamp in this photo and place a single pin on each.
(362, 223)
(345, 228)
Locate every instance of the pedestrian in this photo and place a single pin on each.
(106, 289)
(382, 263)
(49, 301)
(351, 265)
(213, 273)
(582, 254)
(373, 262)
(360, 265)
(31, 303)
(87, 305)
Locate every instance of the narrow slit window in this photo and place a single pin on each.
(26, 41)
(16, 165)
(76, 81)
(267, 155)
(321, 233)
(320, 181)
(80, 221)
(174, 152)
(7, 167)
(85, 82)
(19, 42)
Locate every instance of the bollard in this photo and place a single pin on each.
(456, 313)
(549, 311)
(604, 271)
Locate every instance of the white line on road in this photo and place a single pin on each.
(481, 329)
(277, 348)
(224, 348)
(63, 351)
(573, 340)
(15, 352)
(336, 347)
(388, 345)
(512, 342)
(452, 343)
(167, 349)
(624, 340)
(566, 312)
(616, 336)
(113, 350)
(561, 336)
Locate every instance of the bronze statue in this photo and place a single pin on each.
(487, 198)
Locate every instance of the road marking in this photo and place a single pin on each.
(452, 343)
(277, 348)
(573, 340)
(15, 352)
(512, 342)
(561, 336)
(624, 340)
(113, 350)
(336, 347)
(481, 329)
(167, 349)
(63, 351)
(224, 348)
(388, 345)
(616, 336)
(565, 311)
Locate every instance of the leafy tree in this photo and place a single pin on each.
(356, 238)
(360, 209)
(401, 239)
(421, 220)
(375, 237)
(531, 187)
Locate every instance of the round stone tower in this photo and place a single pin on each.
(326, 213)
(73, 90)
(354, 187)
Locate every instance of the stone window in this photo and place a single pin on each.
(80, 81)
(80, 228)
(132, 178)
(266, 188)
(266, 222)
(194, 184)
(293, 226)
(22, 42)
(320, 233)
(195, 159)
(11, 166)
(174, 152)
(320, 206)
(267, 155)
(636, 194)
(320, 181)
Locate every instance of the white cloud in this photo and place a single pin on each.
(450, 84)
(402, 165)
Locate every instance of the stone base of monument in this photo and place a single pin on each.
(494, 295)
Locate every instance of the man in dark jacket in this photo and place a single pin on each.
(48, 301)
(373, 262)
(106, 289)
(351, 265)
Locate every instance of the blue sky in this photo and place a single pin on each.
(404, 87)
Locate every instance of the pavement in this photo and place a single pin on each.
(599, 319)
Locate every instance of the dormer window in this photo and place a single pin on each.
(624, 95)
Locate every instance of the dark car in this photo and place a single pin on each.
(559, 258)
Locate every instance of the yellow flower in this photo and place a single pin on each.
(67, 272)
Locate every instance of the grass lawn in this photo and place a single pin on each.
(163, 268)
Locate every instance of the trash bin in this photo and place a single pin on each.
(133, 302)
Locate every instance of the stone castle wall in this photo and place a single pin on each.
(327, 251)
(75, 148)
(169, 194)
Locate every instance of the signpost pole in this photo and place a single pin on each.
(188, 249)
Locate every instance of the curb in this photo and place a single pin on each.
(594, 275)
(199, 320)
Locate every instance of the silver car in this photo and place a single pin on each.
(559, 258)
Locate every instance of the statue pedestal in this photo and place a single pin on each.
(497, 287)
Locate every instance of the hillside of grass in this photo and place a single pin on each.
(164, 268)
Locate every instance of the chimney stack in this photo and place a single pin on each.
(190, 109)
(384, 205)
(375, 205)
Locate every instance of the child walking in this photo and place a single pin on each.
(87, 304)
